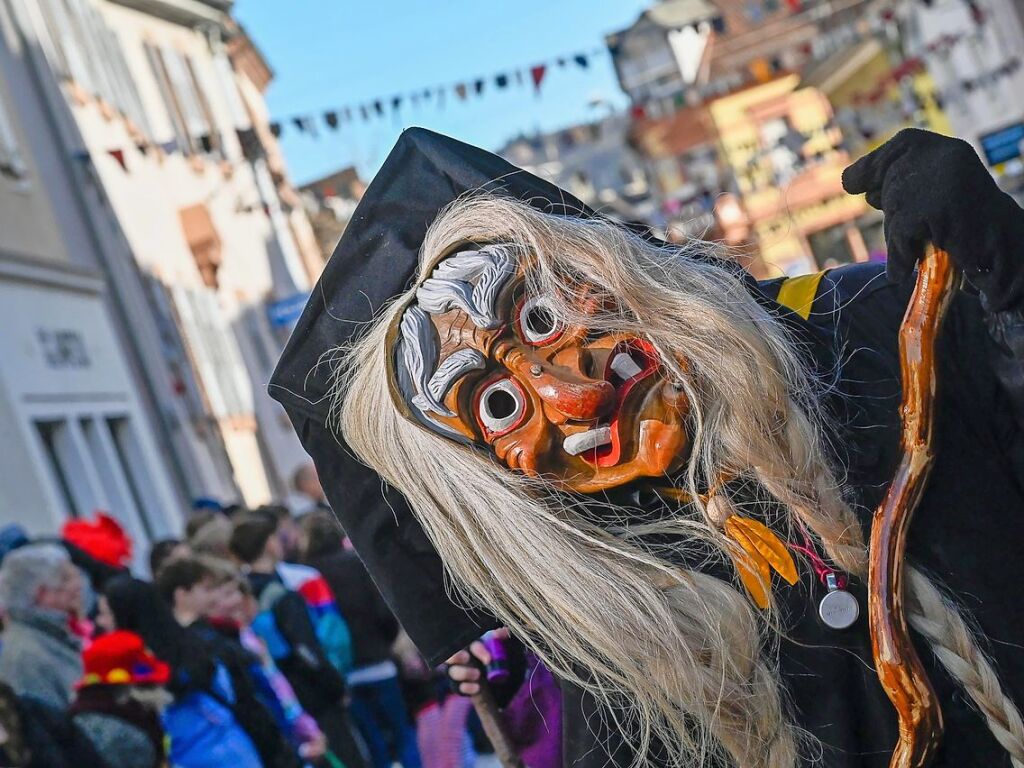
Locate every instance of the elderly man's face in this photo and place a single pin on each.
(66, 593)
(588, 410)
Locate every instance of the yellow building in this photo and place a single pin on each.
(785, 150)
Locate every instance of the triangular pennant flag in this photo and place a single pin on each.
(143, 147)
(331, 118)
(396, 103)
(501, 81)
(519, 77)
(460, 91)
(561, 62)
(478, 86)
(118, 154)
(427, 93)
(299, 123)
(364, 112)
(582, 60)
(637, 112)
(206, 142)
(378, 107)
(415, 99)
(537, 75)
(172, 146)
(347, 114)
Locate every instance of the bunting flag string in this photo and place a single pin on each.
(536, 75)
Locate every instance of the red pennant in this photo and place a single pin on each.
(537, 73)
(118, 154)
(637, 112)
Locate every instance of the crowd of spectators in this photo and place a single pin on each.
(257, 640)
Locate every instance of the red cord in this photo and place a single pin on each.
(820, 567)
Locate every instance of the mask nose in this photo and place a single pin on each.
(573, 396)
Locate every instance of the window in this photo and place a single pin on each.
(830, 247)
(780, 145)
(50, 432)
(132, 466)
(81, 47)
(71, 465)
(185, 99)
(215, 354)
(12, 164)
(203, 240)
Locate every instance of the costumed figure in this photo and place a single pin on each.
(659, 474)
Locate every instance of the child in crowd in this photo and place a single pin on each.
(190, 585)
(289, 631)
(119, 700)
(231, 614)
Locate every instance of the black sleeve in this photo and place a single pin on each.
(1006, 329)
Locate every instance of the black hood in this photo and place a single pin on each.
(375, 260)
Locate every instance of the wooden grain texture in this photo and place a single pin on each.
(896, 662)
(490, 719)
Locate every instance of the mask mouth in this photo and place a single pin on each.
(629, 363)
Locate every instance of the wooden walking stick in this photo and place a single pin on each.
(896, 662)
(490, 718)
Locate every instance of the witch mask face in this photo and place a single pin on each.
(479, 359)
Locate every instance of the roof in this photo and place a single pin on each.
(675, 14)
(680, 132)
(833, 71)
(187, 12)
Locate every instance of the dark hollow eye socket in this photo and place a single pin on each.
(500, 404)
(540, 320)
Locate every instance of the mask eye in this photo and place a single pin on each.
(500, 407)
(537, 322)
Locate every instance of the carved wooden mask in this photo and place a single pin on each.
(478, 359)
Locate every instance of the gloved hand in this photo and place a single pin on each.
(935, 189)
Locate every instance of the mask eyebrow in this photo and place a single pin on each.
(453, 368)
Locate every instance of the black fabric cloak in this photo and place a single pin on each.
(966, 533)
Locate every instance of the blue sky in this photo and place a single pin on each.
(331, 53)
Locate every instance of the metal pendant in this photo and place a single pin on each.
(838, 609)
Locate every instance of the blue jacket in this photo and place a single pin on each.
(203, 732)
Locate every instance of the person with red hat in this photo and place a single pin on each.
(119, 699)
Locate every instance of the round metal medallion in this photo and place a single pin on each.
(839, 609)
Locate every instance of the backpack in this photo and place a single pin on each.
(290, 632)
(331, 628)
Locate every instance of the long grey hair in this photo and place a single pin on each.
(675, 656)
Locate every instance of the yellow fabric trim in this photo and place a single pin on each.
(797, 293)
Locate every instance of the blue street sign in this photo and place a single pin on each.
(286, 312)
(1004, 144)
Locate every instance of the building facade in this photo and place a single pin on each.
(79, 430)
(596, 163)
(738, 148)
(158, 111)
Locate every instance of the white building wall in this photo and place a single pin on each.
(63, 371)
(980, 49)
(79, 439)
(258, 260)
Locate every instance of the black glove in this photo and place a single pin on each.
(935, 189)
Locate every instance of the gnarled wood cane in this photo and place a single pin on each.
(490, 719)
(896, 662)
